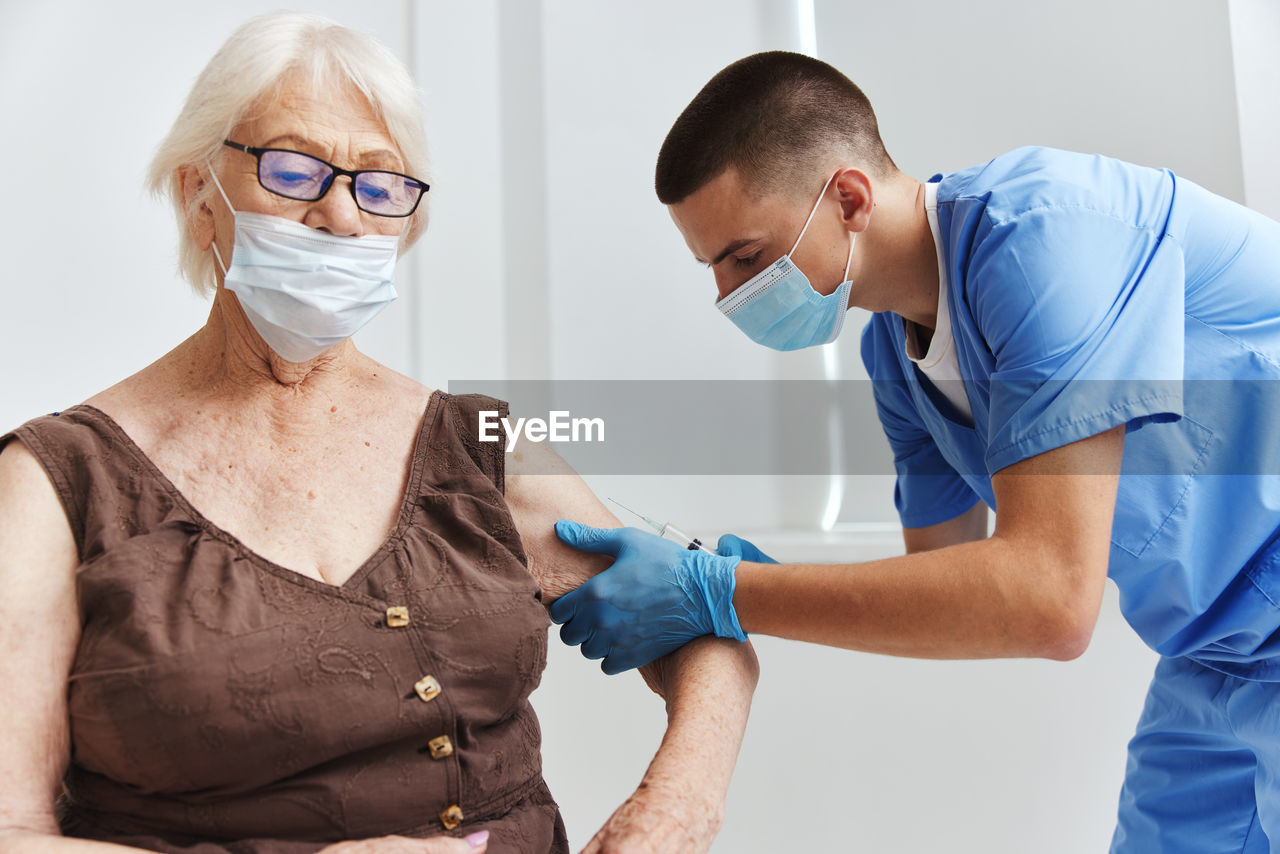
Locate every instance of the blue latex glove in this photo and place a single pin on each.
(732, 545)
(654, 599)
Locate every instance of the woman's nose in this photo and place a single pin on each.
(336, 211)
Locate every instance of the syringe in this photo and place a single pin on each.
(668, 531)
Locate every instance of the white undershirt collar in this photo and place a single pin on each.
(940, 363)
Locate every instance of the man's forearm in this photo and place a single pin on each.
(988, 599)
(1032, 589)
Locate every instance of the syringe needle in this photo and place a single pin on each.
(666, 530)
(632, 512)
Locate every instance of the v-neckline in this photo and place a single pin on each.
(412, 482)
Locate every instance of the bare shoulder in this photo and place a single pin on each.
(392, 380)
(541, 489)
(23, 480)
(32, 522)
(39, 632)
(394, 390)
(134, 402)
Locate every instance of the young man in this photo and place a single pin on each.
(1087, 345)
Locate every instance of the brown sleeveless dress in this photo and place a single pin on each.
(219, 702)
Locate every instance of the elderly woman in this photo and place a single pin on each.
(268, 595)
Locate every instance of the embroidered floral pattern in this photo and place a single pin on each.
(219, 698)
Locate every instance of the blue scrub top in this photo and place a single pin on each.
(1086, 293)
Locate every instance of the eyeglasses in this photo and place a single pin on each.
(304, 178)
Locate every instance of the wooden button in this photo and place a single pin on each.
(427, 688)
(440, 747)
(452, 817)
(397, 616)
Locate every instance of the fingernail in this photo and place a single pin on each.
(478, 839)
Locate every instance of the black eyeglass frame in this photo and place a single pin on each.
(328, 184)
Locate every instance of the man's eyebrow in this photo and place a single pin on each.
(732, 247)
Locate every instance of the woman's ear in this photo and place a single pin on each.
(191, 183)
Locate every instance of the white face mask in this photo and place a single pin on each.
(305, 290)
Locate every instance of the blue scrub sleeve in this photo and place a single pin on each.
(1083, 313)
(928, 489)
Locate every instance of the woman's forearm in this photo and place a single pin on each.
(21, 841)
(708, 685)
(679, 805)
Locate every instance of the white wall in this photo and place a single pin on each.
(548, 256)
(458, 328)
(1254, 25)
(954, 84)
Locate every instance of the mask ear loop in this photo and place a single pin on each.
(810, 219)
(218, 257)
(853, 235)
(214, 245)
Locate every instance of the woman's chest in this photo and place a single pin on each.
(319, 505)
(202, 671)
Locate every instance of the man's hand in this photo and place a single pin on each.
(654, 599)
(735, 546)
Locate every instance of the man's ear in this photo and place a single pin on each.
(191, 183)
(857, 198)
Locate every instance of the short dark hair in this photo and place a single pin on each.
(773, 116)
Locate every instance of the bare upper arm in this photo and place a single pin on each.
(39, 630)
(970, 526)
(542, 488)
(1064, 498)
(1057, 508)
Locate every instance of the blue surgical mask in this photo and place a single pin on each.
(306, 290)
(780, 309)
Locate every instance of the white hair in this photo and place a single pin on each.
(250, 69)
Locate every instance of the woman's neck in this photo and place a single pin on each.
(228, 357)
